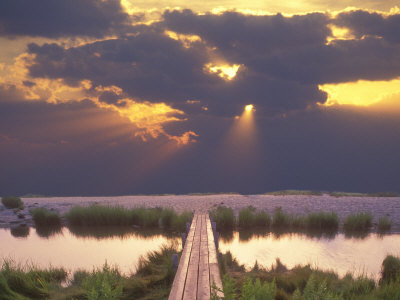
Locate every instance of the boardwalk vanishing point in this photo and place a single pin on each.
(198, 266)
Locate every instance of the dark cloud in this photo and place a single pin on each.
(365, 23)
(241, 37)
(60, 18)
(283, 60)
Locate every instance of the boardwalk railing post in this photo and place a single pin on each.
(183, 240)
(216, 239)
(175, 261)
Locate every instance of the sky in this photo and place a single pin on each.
(110, 97)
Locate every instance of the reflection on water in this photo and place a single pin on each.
(81, 249)
(338, 253)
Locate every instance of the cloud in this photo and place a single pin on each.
(367, 23)
(278, 61)
(59, 18)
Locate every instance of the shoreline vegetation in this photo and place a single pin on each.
(155, 273)
(280, 221)
(152, 280)
(248, 218)
(305, 282)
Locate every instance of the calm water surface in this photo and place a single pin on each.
(339, 253)
(81, 250)
(87, 249)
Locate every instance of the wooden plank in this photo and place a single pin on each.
(203, 288)
(190, 291)
(179, 281)
(215, 276)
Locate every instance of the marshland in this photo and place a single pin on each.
(272, 245)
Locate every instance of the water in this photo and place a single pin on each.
(338, 253)
(85, 249)
(81, 249)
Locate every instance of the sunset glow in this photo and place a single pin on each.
(227, 72)
(361, 93)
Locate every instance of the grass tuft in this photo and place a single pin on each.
(262, 219)
(44, 217)
(246, 218)
(224, 218)
(384, 224)
(12, 202)
(358, 222)
(280, 219)
(322, 221)
(390, 269)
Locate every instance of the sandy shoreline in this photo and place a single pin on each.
(295, 204)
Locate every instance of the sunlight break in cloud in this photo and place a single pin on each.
(361, 93)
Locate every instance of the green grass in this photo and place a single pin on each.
(12, 202)
(97, 216)
(358, 222)
(322, 221)
(224, 218)
(280, 219)
(262, 219)
(246, 218)
(152, 280)
(294, 193)
(390, 269)
(384, 224)
(305, 282)
(44, 217)
(28, 282)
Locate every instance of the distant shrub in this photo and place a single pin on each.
(384, 224)
(224, 218)
(43, 217)
(358, 222)
(294, 193)
(12, 202)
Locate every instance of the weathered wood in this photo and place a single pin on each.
(190, 291)
(198, 267)
(215, 277)
(203, 289)
(180, 277)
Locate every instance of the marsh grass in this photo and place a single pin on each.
(322, 221)
(262, 219)
(224, 218)
(44, 217)
(152, 280)
(358, 222)
(305, 282)
(390, 269)
(98, 216)
(246, 217)
(12, 202)
(280, 219)
(28, 282)
(384, 224)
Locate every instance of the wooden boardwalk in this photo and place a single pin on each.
(198, 265)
